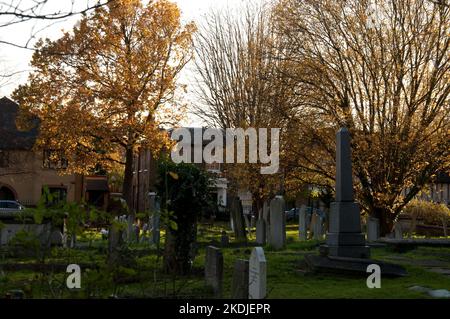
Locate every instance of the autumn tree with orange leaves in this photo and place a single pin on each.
(108, 86)
(380, 68)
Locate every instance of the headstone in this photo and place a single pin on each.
(224, 239)
(145, 230)
(257, 274)
(56, 238)
(239, 284)
(345, 238)
(156, 236)
(247, 222)
(137, 232)
(214, 269)
(266, 217)
(277, 223)
(302, 229)
(130, 229)
(238, 220)
(115, 240)
(252, 221)
(398, 231)
(261, 232)
(318, 231)
(373, 229)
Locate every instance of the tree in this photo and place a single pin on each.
(104, 89)
(380, 68)
(240, 86)
(14, 12)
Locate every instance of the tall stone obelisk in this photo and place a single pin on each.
(345, 238)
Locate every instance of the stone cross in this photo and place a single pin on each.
(257, 274)
(214, 269)
(345, 238)
(277, 223)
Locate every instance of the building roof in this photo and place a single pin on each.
(11, 138)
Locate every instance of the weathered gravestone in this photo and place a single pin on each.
(115, 240)
(260, 232)
(156, 216)
(240, 282)
(253, 221)
(317, 227)
(398, 231)
(257, 274)
(224, 239)
(137, 232)
(302, 229)
(130, 234)
(56, 238)
(277, 223)
(373, 229)
(214, 270)
(266, 217)
(237, 216)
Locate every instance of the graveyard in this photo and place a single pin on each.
(286, 274)
(185, 256)
(211, 150)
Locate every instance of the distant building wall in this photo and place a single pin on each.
(25, 176)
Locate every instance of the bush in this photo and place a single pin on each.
(431, 213)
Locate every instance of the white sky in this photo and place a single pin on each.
(16, 60)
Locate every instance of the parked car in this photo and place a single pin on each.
(292, 214)
(10, 205)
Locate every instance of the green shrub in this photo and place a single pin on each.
(431, 213)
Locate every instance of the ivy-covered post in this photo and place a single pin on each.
(184, 190)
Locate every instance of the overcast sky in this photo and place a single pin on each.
(16, 60)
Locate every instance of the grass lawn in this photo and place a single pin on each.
(285, 278)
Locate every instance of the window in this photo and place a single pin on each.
(57, 195)
(4, 159)
(54, 160)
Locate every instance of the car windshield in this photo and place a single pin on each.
(10, 205)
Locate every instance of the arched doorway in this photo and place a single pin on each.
(6, 193)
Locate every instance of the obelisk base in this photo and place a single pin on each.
(351, 266)
(345, 251)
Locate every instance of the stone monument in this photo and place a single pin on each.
(345, 249)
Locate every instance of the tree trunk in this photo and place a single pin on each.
(127, 191)
(386, 219)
